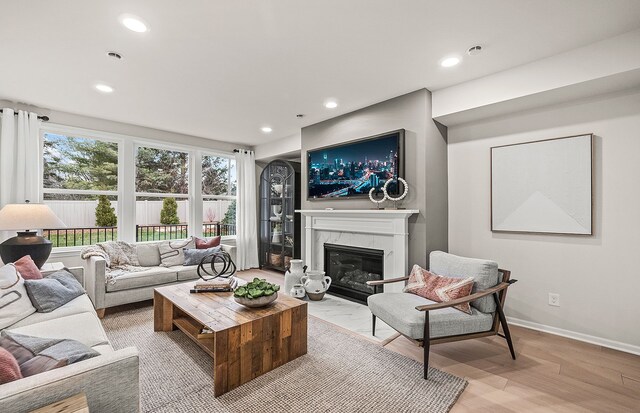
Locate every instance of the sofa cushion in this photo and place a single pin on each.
(148, 254)
(36, 354)
(78, 305)
(398, 310)
(185, 273)
(171, 251)
(84, 327)
(484, 272)
(14, 300)
(27, 268)
(146, 278)
(53, 291)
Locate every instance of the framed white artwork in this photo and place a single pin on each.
(543, 186)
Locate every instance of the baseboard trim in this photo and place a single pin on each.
(604, 342)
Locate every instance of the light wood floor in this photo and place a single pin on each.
(551, 373)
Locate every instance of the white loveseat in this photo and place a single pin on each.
(136, 286)
(110, 381)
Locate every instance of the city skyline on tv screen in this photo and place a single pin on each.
(353, 168)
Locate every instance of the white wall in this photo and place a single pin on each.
(597, 277)
(279, 148)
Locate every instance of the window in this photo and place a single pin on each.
(219, 187)
(108, 187)
(80, 184)
(162, 194)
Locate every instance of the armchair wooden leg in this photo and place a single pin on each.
(505, 326)
(373, 325)
(100, 312)
(426, 344)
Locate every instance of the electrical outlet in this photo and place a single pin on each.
(554, 299)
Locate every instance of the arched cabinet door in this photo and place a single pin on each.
(279, 224)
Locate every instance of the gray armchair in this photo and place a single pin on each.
(426, 322)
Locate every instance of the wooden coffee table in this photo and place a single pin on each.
(246, 342)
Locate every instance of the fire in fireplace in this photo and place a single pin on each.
(350, 268)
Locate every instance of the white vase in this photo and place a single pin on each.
(293, 275)
(315, 282)
(297, 291)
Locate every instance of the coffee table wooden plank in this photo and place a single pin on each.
(234, 357)
(162, 313)
(245, 352)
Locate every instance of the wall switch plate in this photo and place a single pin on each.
(554, 299)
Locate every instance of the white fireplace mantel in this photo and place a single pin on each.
(383, 229)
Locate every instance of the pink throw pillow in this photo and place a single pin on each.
(27, 268)
(438, 288)
(203, 244)
(9, 368)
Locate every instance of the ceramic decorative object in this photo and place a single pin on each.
(315, 296)
(315, 282)
(256, 302)
(277, 189)
(277, 211)
(297, 291)
(293, 275)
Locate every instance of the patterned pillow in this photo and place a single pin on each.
(438, 288)
(27, 268)
(14, 301)
(203, 244)
(171, 252)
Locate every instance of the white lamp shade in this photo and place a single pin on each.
(21, 217)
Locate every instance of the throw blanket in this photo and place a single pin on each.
(121, 258)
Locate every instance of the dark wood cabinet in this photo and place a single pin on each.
(279, 224)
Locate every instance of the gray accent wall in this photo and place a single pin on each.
(425, 164)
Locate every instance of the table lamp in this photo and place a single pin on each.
(24, 218)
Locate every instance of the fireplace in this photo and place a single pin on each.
(350, 268)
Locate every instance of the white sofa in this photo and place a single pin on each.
(136, 286)
(110, 381)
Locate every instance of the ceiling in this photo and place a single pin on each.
(224, 69)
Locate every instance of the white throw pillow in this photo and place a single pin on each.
(14, 301)
(171, 251)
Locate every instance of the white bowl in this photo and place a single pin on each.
(256, 302)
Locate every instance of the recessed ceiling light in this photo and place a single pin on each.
(266, 129)
(101, 87)
(331, 104)
(115, 55)
(474, 50)
(450, 61)
(133, 23)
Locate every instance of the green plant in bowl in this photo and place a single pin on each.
(256, 293)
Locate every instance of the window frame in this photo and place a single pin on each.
(73, 132)
(126, 191)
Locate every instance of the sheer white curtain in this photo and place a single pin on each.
(19, 157)
(246, 211)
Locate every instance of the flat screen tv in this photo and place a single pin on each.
(351, 169)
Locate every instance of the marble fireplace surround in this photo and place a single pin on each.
(384, 229)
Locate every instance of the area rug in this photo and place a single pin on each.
(340, 373)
